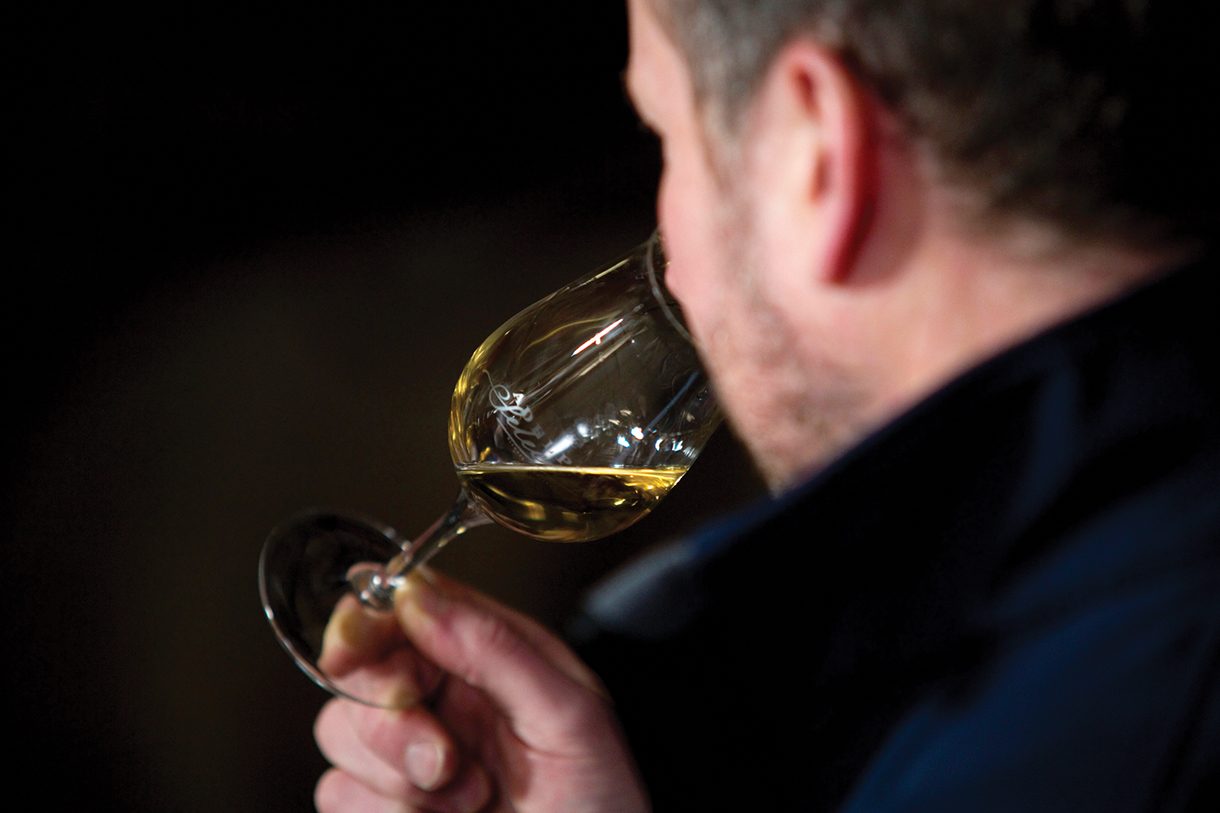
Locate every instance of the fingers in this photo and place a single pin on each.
(356, 635)
(406, 756)
(538, 636)
(394, 749)
(363, 650)
(517, 706)
(342, 746)
(544, 691)
(339, 792)
(365, 655)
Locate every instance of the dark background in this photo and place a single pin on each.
(250, 255)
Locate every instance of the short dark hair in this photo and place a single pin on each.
(1090, 114)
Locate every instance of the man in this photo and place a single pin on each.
(947, 264)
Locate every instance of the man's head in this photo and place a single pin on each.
(1081, 113)
(851, 188)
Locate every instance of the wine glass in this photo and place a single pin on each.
(569, 423)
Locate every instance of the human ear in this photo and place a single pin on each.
(813, 154)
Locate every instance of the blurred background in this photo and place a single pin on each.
(251, 254)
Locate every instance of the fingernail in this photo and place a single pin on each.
(423, 762)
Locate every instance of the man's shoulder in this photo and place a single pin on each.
(1107, 703)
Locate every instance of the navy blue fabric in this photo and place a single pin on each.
(1006, 600)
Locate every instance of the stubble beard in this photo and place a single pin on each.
(794, 410)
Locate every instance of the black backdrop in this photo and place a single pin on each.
(250, 254)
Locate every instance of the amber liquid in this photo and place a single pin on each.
(566, 503)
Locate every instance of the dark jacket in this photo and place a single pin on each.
(1007, 599)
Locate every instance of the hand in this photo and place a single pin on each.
(509, 719)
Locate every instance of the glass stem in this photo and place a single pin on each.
(375, 586)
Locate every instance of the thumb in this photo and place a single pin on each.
(550, 699)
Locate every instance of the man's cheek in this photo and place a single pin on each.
(677, 214)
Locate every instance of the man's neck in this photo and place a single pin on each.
(978, 294)
(931, 299)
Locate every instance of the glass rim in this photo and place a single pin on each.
(655, 264)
